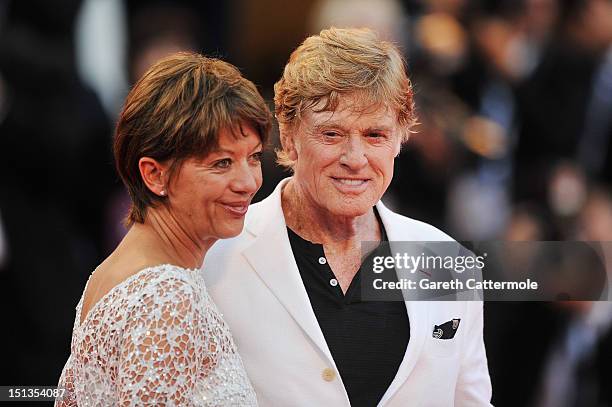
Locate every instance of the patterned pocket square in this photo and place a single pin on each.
(447, 330)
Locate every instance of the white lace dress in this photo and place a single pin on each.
(155, 339)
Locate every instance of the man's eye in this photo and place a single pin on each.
(376, 135)
(332, 135)
(225, 163)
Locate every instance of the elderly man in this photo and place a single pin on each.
(289, 285)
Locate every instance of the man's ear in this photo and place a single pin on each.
(287, 140)
(154, 175)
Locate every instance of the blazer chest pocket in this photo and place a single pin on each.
(441, 348)
(442, 342)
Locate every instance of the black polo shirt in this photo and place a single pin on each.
(367, 339)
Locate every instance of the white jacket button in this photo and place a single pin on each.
(328, 374)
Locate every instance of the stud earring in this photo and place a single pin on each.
(162, 192)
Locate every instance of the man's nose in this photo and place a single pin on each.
(354, 153)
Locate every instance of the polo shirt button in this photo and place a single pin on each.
(322, 260)
(333, 282)
(328, 374)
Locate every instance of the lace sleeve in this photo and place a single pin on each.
(161, 351)
(66, 382)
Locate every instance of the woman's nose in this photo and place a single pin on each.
(247, 179)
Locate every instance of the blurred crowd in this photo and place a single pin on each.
(514, 142)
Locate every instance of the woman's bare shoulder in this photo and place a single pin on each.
(112, 272)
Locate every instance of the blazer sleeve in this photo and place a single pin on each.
(474, 385)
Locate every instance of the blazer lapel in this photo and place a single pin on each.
(271, 257)
(417, 310)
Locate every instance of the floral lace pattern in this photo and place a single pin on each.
(155, 339)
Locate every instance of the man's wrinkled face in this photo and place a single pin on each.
(344, 158)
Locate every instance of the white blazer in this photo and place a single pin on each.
(257, 287)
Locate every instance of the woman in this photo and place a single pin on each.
(187, 146)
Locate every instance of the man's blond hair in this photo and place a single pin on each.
(339, 62)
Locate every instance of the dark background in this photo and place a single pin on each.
(514, 101)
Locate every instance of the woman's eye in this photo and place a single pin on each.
(257, 156)
(225, 163)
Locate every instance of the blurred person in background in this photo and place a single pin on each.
(290, 285)
(566, 104)
(188, 146)
(577, 370)
(502, 45)
(559, 352)
(516, 354)
(55, 138)
(467, 59)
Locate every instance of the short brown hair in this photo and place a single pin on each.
(175, 112)
(341, 61)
